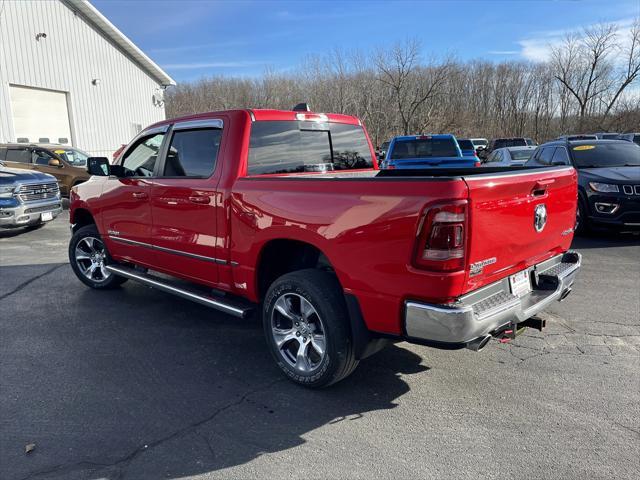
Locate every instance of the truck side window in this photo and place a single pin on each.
(40, 157)
(301, 146)
(560, 157)
(20, 155)
(546, 155)
(193, 153)
(140, 160)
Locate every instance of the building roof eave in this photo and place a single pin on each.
(120, 39)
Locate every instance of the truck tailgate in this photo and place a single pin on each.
(503, 236)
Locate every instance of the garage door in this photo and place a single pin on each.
(39, 115)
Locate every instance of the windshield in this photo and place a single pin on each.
(606, 155)
(465, 144)
(520, 155)
(425, 148)
(72, 156)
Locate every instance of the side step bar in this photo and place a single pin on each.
(230, 306)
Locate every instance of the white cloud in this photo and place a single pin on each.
(537, 48)
(503, 52)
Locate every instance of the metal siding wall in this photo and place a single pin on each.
(67, 60)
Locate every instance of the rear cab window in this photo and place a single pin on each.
(424, 147)
(465, 144)
(291, 146)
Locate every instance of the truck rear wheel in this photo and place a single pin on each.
(306, 324)
(89, 256)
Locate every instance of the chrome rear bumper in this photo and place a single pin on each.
(488, 309)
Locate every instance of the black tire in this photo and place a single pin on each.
(323, 292)
(582, 218)
(99, 281)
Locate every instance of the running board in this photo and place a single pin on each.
(232, 307)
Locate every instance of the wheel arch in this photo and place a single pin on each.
(80, 217)
(282, 255)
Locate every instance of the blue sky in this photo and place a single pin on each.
(192, 39)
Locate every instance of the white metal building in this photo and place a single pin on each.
(67, 75)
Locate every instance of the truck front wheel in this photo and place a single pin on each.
(88, 257)
(306, 324)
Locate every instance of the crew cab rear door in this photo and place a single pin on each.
(517, 219)
(184, 201)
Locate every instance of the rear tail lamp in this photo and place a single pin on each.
(442, 238)
(477, 164)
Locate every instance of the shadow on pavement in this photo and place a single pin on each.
(135, 381)
(606, 239)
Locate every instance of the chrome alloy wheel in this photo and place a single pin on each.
(298, 332)
(91, 256)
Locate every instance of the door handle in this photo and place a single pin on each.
(140, 195)
(540, 187)
(199, 199)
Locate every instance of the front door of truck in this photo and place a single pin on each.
(125, 200)
(184, 201)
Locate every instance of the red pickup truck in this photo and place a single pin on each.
(287, 212)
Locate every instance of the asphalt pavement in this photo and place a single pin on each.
(136, 384)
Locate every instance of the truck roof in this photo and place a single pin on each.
(268, 115)
(424, 135)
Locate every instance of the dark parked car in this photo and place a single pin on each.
(608, 180)
(502, 143)
(577, 136)
(607, 136)
(67, 164)
(631, 137)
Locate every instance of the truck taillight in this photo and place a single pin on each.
(477, 164)
(312, 117)
(441, 240)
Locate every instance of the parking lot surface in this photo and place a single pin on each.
(135, 384)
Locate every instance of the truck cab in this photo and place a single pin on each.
(427, 151)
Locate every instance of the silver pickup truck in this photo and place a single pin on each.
(27, 198)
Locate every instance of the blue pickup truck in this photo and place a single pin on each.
(427, 151)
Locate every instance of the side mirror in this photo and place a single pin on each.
(54, 162)
(98, 166)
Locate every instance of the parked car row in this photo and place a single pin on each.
(608, 165)
(629, 137)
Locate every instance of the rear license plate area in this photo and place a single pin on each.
(520, 283)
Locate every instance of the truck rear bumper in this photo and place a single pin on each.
(487, 309)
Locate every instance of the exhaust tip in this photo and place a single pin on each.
(479, 343)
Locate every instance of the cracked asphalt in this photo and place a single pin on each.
(135, 384)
